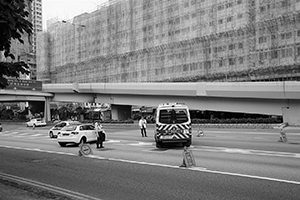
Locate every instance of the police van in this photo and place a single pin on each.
(173, 124)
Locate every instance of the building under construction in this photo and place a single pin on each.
(174, 40)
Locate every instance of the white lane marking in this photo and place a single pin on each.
(242, 132)
(162, 165)
(112, 141)
(248, 151)
(141, 144)
(69, 193)
(10, 133)
(35, 135)
(4, 132)
(253, 133)
(23, 134)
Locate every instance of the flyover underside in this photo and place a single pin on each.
(73, 97)
(244, 105)
(20, 98)
(289, 109)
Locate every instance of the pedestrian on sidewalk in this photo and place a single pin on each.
(143, 126)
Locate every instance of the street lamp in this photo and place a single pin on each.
(79, 41)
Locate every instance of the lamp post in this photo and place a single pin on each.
(79, 39)
(79, 42)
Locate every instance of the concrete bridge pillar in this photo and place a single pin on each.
(47, 113)
(120, 112)
(291, 113)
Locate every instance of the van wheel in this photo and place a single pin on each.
(187, 144)
(159, 145)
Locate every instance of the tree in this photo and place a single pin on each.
(14, 24)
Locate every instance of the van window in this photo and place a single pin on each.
(173, 116)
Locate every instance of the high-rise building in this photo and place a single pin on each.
(37, 20)
(177, 40)
(27, 52)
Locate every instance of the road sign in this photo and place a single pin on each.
(188, 158)
(85, 149)
(24, 84)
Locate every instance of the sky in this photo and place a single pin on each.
(67, 9)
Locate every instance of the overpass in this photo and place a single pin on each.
(272, 98)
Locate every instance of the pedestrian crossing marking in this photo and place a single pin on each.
(37, 135)
(20, 134)
(23, 134)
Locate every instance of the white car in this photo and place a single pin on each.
(36, 122)
(57, 127)
(76, 134)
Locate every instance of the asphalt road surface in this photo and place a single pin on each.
(230, 164)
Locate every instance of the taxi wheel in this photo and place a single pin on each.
(82, 141)
(51, 135)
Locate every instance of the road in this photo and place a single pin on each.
(230, 164)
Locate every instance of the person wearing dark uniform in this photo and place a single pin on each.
(100, 135)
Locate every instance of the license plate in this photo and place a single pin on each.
(167, 137)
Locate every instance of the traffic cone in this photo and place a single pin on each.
(183, 163)
(200, 133)
(183, 160)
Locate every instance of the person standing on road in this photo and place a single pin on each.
(100, 135)
(97, 132)
(282, 136)
(143, 126)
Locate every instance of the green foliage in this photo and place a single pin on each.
(6, 114)
(13, 25)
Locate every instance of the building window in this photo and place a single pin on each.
(231, 47)
(283, 53)
(274, 54)
(231, 61)
(240, 45)
(298, 49)
(241, 60)
(289, 35)
(229, 19)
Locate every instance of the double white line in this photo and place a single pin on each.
(46, 187)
